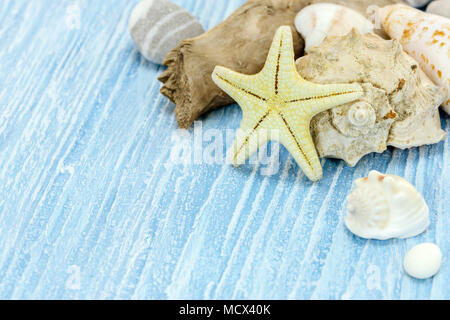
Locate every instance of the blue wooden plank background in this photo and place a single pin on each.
(94, 205)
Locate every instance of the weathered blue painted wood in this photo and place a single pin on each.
(92, 205)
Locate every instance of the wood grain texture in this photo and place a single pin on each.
(91, 206)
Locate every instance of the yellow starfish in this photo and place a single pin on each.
(278, 104)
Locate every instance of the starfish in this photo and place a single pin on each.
(278, 104)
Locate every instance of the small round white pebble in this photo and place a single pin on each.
(423, 261)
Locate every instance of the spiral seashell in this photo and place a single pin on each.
(384, 207)
(404, 100)
(358, 118)
(362, 114)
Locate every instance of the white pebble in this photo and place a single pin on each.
(158, 26)
(440, 7)
(423, 261)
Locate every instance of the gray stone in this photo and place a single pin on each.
(440, 7)
(418, 3)
(158, 26)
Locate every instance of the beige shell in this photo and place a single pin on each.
(403, 101)
(424, 127)
(384, 207)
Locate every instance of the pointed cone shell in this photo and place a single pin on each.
(384, 207)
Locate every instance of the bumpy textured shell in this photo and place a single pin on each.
(384, 207)
(400, 96)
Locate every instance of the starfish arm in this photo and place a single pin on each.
(314, 98)
(296, 138)
(253, 133)
(279, 70)
(242, 88)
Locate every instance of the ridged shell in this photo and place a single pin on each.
(384, 207)
(426, 37)
(317, 21)
(158, 26)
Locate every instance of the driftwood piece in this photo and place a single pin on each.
(241, 43)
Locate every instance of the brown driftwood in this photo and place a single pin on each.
(241, 43)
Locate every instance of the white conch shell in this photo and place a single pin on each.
(316, 22)
(384, 207)
(402, 98)
(424, 36)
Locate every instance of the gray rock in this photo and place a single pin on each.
(158, 26)
(440, 7)
(418, 3)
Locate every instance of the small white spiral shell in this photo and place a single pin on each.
(361, 114)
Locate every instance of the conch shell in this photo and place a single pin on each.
(384, 207)
(317, 21)
(399, 106)
(424, 36)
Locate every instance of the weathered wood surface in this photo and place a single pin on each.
(92, 206)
